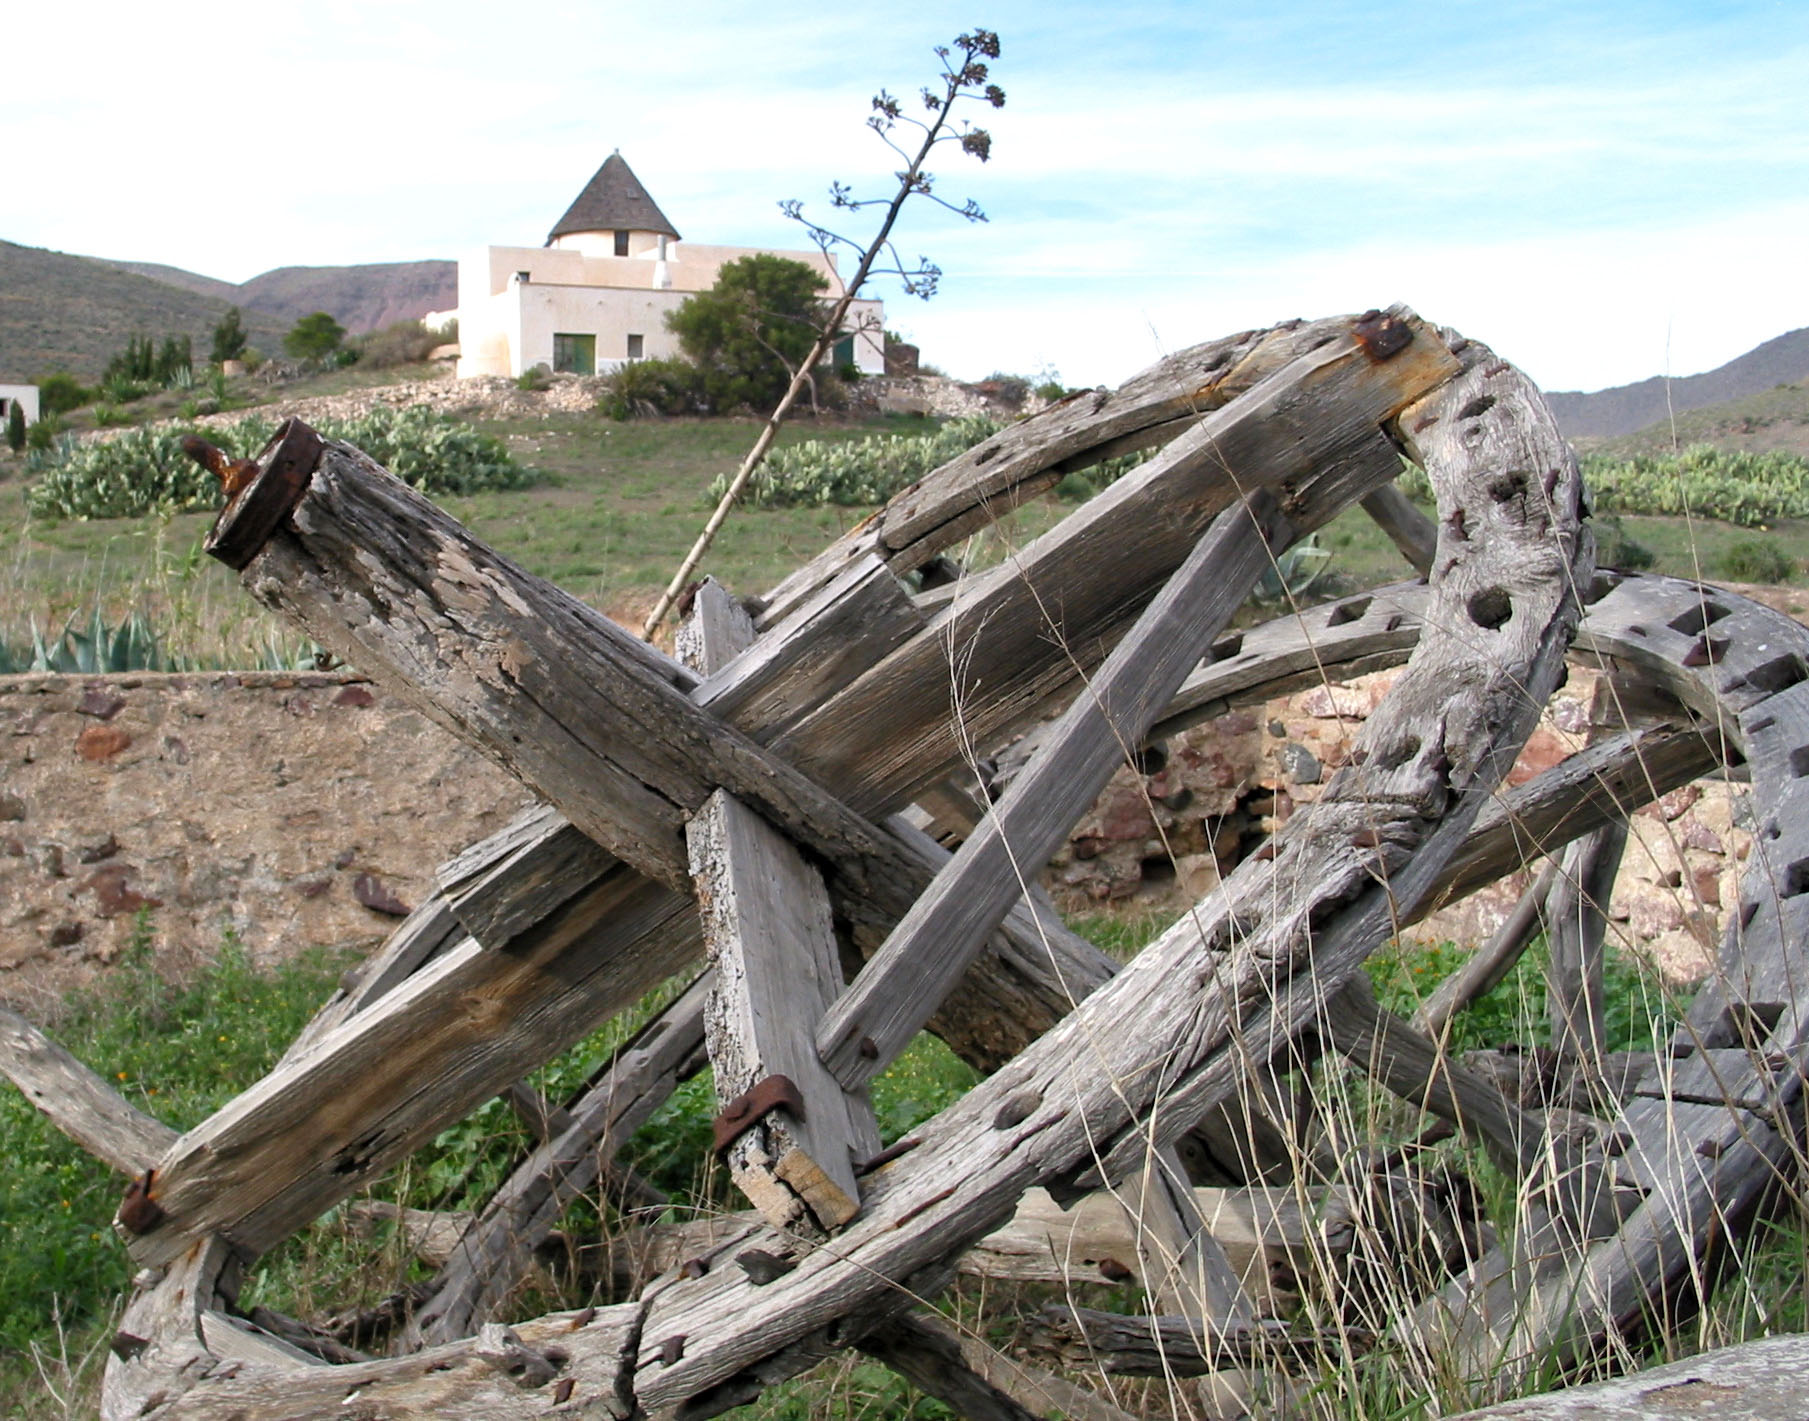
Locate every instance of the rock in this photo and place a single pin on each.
(97, 850)
(355, 696)
(12, 809)
(369, 890)
(1336, 703)
(1299, 764)
(100, 703)
(98, 743)
(113, 895)
(67, 934)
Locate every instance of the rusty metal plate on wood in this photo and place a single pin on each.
(752, 1106)
(284, 466)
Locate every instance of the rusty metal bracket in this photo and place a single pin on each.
(139, 1213)
(1381, 335)
(258, 501)
(752, 1106)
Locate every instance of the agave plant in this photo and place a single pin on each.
(97, 649)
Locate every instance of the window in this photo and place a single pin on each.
(635, 344)
(574, 354)
(621, 244)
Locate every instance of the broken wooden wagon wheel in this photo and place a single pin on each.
(758, 788)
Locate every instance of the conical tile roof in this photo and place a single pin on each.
(613, 201)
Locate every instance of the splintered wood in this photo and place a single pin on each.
(754, 815)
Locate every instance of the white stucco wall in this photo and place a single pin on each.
(24, 395)
(577, 286)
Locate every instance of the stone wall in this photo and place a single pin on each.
(301, 810)
(290, 810)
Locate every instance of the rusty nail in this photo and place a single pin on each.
(584, 1318)
(233, 474)
(672, 1349)
(888, 1154)
(139, 1213)
(694, 1268)
(562, 1390)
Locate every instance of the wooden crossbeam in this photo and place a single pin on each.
(908, 978)
(1576, 917)
(77, 1101)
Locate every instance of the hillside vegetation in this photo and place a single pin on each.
(62, 312)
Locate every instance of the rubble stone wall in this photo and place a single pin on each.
(299, 810)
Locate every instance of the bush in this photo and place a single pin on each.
(1755, 560)
(643, 388)
(314, 337)
(62, 392)
(145, 470)
(535, 377)
(750, 330)
(403, 343)
(15, 427)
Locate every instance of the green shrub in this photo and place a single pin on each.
(61, 392)
(315, 336)
(145, 470)
(535, 377)
(106, 416)
(1755, 560)
(642, 388)
(750, 330)
(15, 427)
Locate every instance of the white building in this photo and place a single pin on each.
(25, 396)
(598, 292)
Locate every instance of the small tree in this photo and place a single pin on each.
(750, 332)
(15, 427)
(314, 337)
(229, 338)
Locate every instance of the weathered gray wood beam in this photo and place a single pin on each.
(79, 1102)
(771, 944)
(907, 979)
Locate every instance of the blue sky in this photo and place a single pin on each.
(1602, 192)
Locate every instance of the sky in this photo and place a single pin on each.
(1601, 191)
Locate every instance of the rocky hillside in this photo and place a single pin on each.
(61, 312)
(360, 298)
(1626, 409)
(65, 312)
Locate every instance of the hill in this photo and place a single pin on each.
(63, 312)
(1775, 418)
(360, 298)
(1627, 409)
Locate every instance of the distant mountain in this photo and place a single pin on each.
(360, 298)
(1626, 409)
(62, 312)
